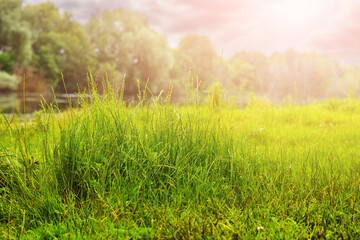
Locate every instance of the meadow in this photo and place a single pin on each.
(204, 170)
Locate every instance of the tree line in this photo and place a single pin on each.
(46, 47)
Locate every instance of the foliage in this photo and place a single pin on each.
(123, 39)
(6, 62)
(60, 45)
(8, 81)
(350, 79)
(243, 76)
(15, 36)
(196, 54)
(247, 72)
(302, 76)
(40, 41)
(215, 98)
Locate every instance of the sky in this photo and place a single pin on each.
(330, 27)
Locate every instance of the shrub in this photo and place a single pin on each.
(8, 81)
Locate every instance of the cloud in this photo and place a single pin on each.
(82, 10)
(342, 33)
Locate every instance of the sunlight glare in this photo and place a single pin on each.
(292, 15)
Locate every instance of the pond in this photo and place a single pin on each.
(31, 102)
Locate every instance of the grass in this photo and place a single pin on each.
(157, 170)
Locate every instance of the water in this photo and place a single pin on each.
(16, 103)
(31, 102)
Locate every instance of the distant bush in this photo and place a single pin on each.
(8, 81)
(349, 104)
(6, 62)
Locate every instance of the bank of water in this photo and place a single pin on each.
(31, 102)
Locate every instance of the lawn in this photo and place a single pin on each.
(207, 169)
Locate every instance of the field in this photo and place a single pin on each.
(203, 170)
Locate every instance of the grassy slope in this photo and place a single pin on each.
(160, 171)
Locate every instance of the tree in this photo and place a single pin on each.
(123, 38)
(255, 67)
(351, 79)
(196, 54)
(7, 62)
(302, 77)
(60, 45)
(242, 76)
(15, 35)
(8, 81)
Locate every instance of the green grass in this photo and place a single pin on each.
(157, 170)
